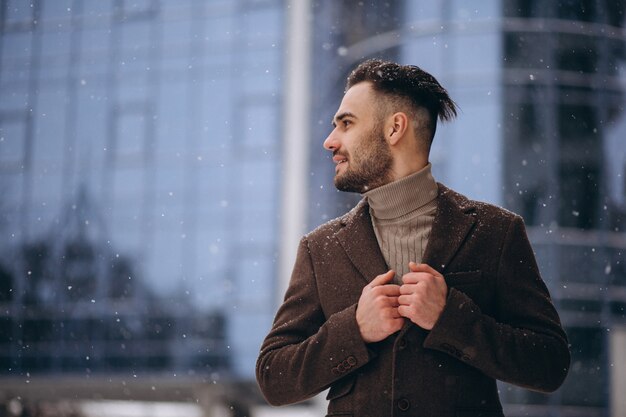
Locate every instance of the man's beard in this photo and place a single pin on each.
(369, 164)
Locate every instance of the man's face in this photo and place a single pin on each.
(357, 141)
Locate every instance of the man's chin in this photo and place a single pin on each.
(349, 187)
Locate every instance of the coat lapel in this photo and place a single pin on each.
(358, 240)
(453, 221)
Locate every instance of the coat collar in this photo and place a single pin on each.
(358, 240)
(454, 219)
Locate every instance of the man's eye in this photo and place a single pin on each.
(346, 123)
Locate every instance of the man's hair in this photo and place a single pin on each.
(408, 85)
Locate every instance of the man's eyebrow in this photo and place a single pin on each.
(342, 116)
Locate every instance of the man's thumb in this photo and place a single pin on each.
(383, 278)
(422, 268)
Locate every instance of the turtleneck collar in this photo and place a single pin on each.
(403, 196)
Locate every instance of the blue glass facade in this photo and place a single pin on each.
(140, 180)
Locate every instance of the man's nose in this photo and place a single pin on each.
(331, 142)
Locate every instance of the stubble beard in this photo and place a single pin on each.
(369, 165)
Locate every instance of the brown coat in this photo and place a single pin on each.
(498, 323)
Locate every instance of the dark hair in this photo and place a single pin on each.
(407, 82)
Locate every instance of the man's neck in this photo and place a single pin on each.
(404, 195)
(404, 165)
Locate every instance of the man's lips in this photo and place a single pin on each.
(338, 159)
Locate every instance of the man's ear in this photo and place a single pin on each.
(397, 125)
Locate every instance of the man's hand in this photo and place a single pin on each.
(423, 295)
(377, 312)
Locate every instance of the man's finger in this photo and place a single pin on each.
(407, 289)
(416, 277)
(394, 302)
(423, 268)
(409, 278)
(395, 314)
(383, 279)
(404, 300)
(389, 290)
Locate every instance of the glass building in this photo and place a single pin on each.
(564, 121)
(139, 173)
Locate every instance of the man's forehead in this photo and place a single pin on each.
(357, 100)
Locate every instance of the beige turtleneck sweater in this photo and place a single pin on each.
(402, 214)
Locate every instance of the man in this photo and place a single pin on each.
(418, 299)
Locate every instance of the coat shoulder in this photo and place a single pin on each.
(492, 211)
(490, 220)
(328, 229)
(482, 209)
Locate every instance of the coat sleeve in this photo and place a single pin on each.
(305, 352)
(526, 344)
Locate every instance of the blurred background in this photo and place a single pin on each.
(159, 161)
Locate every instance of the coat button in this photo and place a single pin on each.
(351, 360)
(404, 404)
(402, 343)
